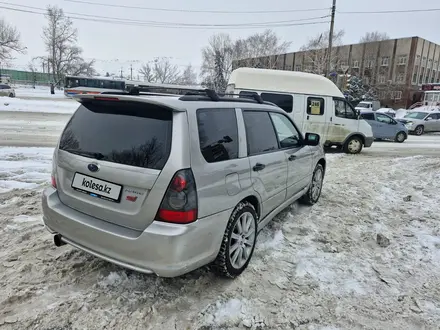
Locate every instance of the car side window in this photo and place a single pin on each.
(367, 116)
(260, 133)
(288, 135)
(344, 110)
(315, 106)
(218, 134)
(433, 116)
(383, 119)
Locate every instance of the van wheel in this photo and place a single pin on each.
(11, 95)
(353, 145)
(314, 192)
(419, 130)
(400, 137)
(238, 242)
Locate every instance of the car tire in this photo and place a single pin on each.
(353, 145)
(400, 137)
(11, 95)
(239, 239)
(419, 130)
(312, 195)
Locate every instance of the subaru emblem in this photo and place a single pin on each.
(93, 167)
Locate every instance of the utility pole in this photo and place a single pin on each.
(131, 71)
(121, 72)
(330, 40)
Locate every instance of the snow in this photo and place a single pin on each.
(24, 168)
(26, 91)
(47, 106)
(314, 267)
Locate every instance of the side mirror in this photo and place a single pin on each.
(428, 119)
(311, 139)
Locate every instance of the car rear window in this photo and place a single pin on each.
(130, 133)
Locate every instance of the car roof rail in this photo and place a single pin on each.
(202, 95)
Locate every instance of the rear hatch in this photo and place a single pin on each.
(110, 155)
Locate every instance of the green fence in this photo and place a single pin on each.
(18, 76)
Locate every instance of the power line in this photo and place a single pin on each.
(197, 11)
(389, 11)
(125, 21)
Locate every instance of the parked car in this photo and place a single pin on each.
(164, 185)
(368, 105)
(419, 122)
(314, 102)
(7, 90)
(384, 127)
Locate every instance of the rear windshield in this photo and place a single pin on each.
(130, 133)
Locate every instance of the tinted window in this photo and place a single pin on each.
(315, 106)
(259, 132)
(344, 110)
(284, 101)
(130, 133)
(367, 116)
(7, 87)
(434, 116)
(218, 134)
(287, 134)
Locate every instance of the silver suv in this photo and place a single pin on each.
(167, 184)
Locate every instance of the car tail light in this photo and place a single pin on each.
(54, 181)
(179, 204)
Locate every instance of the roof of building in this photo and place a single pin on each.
(283, 81)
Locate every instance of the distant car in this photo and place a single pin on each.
(385, 127)
(6, 90)
(419, 122)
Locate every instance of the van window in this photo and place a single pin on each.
(260, 132)
(315, 106)
(284, 101)
(218, 134)
(344, 110)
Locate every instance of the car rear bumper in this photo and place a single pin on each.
(368, 142)
(164, 249)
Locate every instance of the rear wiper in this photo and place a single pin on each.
(89, 154)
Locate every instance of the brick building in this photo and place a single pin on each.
(397, 68)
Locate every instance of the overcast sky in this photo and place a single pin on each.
(115, 46)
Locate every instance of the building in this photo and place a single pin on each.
(397, 68)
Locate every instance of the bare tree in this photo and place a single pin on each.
(161, 70)
(188, 76)
(60, 38)
(257, 50)
(9, 41)
(316, 52)
(374, 36)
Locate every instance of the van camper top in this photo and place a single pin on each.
(292, 82)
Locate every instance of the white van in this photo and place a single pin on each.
(368, 106)
(314, 102)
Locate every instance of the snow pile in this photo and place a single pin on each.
(367, 256)
(24, 168)
(39, 92)
(48, 106)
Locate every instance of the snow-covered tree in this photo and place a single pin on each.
(354, 89)
(188, 76)
(374, 36)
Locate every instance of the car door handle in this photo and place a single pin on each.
(292, 157)
(258, 167)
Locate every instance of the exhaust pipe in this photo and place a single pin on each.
(57, 239)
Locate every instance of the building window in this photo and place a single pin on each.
(309, 68)
(430, 64)
(298, 67)
(416, 71)
(382, 79)
(355, 64)
(418, 60)
(424, 61)
(433, 76)
(402, 60)
(385, 61)
(428, 74)
(436, 65)
(422, 73)
(382, 95)
(400, 78)
(397, 95)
